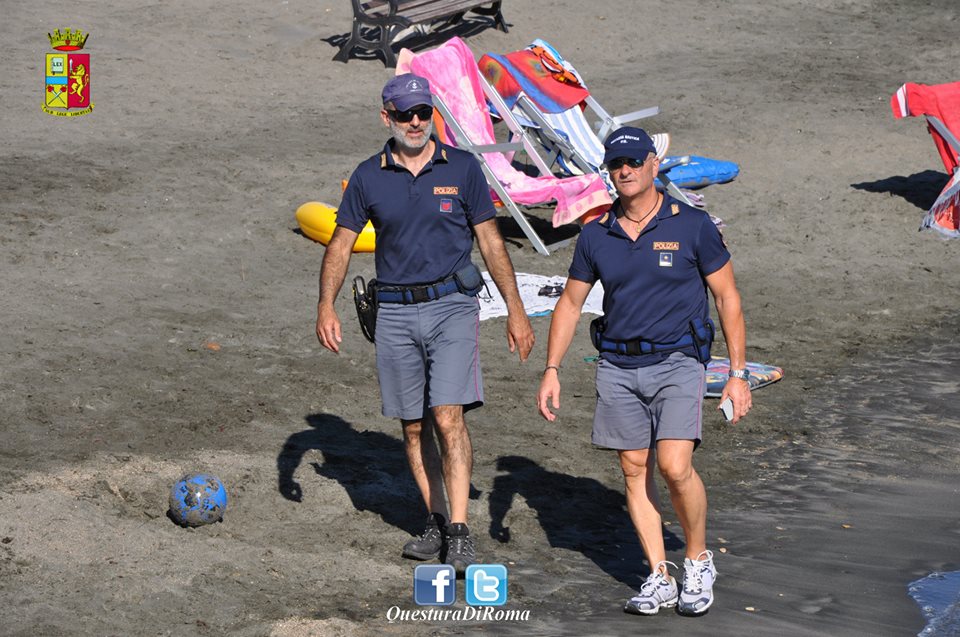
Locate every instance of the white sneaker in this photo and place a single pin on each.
(698, 578)
(658, 591)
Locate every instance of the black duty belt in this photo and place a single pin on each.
(639, 347)
(416, 293)
(697, 341)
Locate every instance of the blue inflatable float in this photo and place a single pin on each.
(698, 172)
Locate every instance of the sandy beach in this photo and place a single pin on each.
(159, 309)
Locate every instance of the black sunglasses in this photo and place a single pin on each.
(423, 112)
(619, 162)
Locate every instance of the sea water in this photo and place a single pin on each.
(938, 595)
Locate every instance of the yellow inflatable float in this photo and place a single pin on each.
(317, 220)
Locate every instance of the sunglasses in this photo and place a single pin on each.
(423, 112)
(620, 162)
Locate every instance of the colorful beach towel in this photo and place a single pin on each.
(943, 102)
(718, 372)
(453, 75)
(534, 73)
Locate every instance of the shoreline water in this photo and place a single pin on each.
(938, 596)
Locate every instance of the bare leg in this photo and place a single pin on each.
(687, 493)
(424, 460)
(457, 457)
(642, 501)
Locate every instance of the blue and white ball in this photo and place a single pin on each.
(197, 499)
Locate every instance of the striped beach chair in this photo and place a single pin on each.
(562, 126)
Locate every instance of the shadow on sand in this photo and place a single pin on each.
(580, 514)
(370, 465)
(418, 40)
(920, 189)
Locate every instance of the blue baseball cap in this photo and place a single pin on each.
(406, 91)
(628, 142)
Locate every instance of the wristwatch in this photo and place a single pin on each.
(742, 374)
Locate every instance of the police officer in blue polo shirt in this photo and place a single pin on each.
(427, 201)
(655, 257)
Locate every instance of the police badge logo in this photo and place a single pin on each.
(67, 86)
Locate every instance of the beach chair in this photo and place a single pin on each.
(940, 104)
(460, 96)
(549, 97)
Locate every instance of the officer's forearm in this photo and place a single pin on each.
(734, 328)
(563, 326)
(336, 260)
(498, 263)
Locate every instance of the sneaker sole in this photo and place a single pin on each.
(412, 555)
(694, 613)
(647, 613)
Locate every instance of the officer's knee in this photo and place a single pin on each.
(675, 472)
(414, 429)
(449, 419)
(634, 463)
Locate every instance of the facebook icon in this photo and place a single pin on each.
(434, 585)
(486, 584)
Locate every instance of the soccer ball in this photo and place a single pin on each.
(197, 499)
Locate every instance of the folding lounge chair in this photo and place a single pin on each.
(461, 98)
(538, 83)
(571, 142)
(560, 124)
(940, 104)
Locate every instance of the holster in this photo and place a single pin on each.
(365, 298)
(703, 333)
(469, 280)
(597, 326)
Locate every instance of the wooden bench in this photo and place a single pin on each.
(390, 17)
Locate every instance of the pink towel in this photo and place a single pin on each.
(454, 76)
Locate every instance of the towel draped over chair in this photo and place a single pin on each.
(453, 75)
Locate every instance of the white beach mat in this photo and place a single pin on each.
(535, 303)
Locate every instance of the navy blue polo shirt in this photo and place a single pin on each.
(423, 223)
(654, 286)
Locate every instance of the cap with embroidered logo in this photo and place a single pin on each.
(628, 142)
(406, 91)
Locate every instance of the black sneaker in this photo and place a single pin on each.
(430, 543)
(461, 550)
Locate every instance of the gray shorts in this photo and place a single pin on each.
(637, 407)
(428, 354)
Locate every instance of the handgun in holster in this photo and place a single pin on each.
(365, 298)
